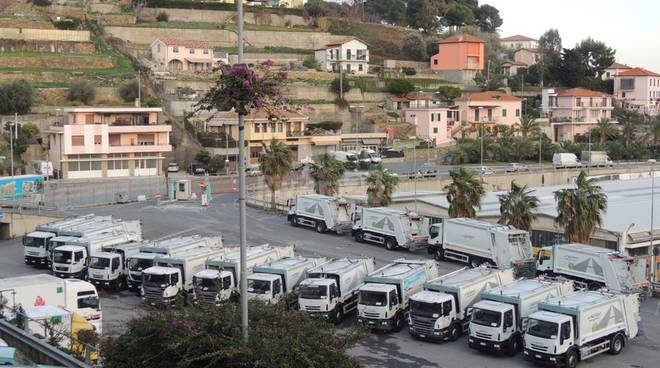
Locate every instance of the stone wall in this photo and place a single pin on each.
(301, 91)
(44, 34)
(47, 46)
(21, 23)
(63, 62)
(222, 17)
(117, 19)
(225, 38)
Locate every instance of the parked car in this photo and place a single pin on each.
(172, 167)
(391, 153)
(253, 170)
(483, 170)
(516, 167)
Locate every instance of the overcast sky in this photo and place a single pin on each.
(631, 27)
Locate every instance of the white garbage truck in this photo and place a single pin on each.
(36, 244)
(442, 310)
(321, 212)
(390, 227)
(331, 289)
(384, 299)
(594, 267)
(575, 327)
(72, 260)
(499, 319)
(272, 281)
(108, 269)
(148, 252)
(477, 242)
(43, 289)
(172, 275)
(220, 280)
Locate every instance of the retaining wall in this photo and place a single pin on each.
(47, 46)
(222, 17)
(44, 34)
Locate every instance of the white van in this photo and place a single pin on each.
(565, 160)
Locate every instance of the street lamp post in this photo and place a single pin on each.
(651, 250)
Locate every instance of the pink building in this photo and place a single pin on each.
(182, 55)
(459, 52)
(575, 111)
(491, 108)
(414, 100)
(639, 90)
(432, 123)
(100, 142)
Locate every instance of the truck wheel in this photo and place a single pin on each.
(455, 332)
(390, 244)
(513, 346)
(594, 286)
(294, 221)
(475, 262)
(120, 285)
(616, 344)
(398, 323)
(571, 359)
(439, 254)
(339, 315)
(359, 236)
(320, 227)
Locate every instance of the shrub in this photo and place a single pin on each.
(449, 92)
(15, 97)
(334, 86)
(399, 87)
(67, 24)
(310, 62)
(407, 70)
(129, 91)
(326, 125)
(162, 17)
(41, 2)
(83, 91)
(414, 46)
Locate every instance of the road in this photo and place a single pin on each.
(378, 350)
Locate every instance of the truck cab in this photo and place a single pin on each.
(82, 297)
(135, 265)
(434, 313)
(549, 332)
(265, 287)
(70, 261)
(379, 307)
(493, 327)
(213, 286)
(107, 269)
(161, 283)
(35, 247)
(319, 296)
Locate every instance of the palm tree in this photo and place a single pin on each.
(464, 193)
(521, 148)
(326, 174)
(275, 163)
(579, 209)
(605, 129)
(628, 131)
(528, 126)
(380, 186)
(654, 130)
(517, 207)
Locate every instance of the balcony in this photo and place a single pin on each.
(139, 128)
(568, 119)
(140, 148)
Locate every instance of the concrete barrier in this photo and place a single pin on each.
(14, 224)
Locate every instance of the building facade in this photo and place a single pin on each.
(176, 55)
(415, 100)
(527, 56)
(459, 52)
(638, 89)
(490, 108)
(575, 111)
(434, 124)
(519, 42)
(614, 70)
(108, 142)
(511, 67)
(352, 55)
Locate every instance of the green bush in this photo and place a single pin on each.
(41, 2)
(82, 91)
(67, 24)
(449, 92)
(334, 85)
(414, 46)
(407, 70)
(162, 17)
(310, 62)
(15, 97)
(129, 91)
(399, 87)
(326, 125)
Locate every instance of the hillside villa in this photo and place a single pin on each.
(527, 56)
(460, 57)
(519, 42)
(351, 54)
(432, 123)
(511, 67)
(574, 111)
(490, 108)
(413, 100)
(177, 55)
(614, 70)
(638, 89)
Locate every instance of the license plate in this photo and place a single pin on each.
(482, 343)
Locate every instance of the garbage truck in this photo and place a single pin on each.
(220, 280)
(575, 327)
(272, 281)
(148, 252)
(384, 299)
(442, 310)
(320, 212)
(499, 319)
(477, 242)
(72, 260)
(36, 243)
(43, 289)
(172, 275)
(594, 267)
(331, 289)
(390, 227)
(108, 268)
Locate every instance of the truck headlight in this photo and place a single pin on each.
(497, 346)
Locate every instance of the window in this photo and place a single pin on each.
(78, 256)
(192, 51)
(503, 113)
(435, 130)
(595, 113)
(476, 114)
(446, 308)
(604, 102)
(175, 278)
(435, 61)
(578, 101)
(280, 127)
(115, 264)
(226, 282)
(98, 139)
(627, 83)
(77, 140)
(158, 47)
(432, 117)
(566, 330)
(360, 67)
(277, 286)
(348, 54)
(206, 51)
(517, 112)
(175, 49)
(490, 114)
(508, 319)
(393, 298)
(333, 291)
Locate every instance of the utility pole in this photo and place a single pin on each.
(139, 89)
(11, 144)
(415, 172)
(242, 192)
(651, 250)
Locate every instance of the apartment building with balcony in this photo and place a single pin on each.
(102, 142)
(177, 55)
(351, 55)
(433, 123)
(519, 42)
(414, 100)
(460, 57)
(574, 111)
(490, 108)
(638, 89)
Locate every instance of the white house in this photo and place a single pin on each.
(519, 42)
(352, 54)
(182, 55)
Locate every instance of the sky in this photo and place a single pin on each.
(631, 27)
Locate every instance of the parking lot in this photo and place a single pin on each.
(379, 350)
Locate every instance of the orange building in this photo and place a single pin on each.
(459, 52)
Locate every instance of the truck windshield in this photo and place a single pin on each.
(213, 284)
(486, 318)
(91, 301)
(373, 298)
(62, 256)
(139, 264)
(425, 309)
(99, 263)
(29, 241)
(414, 226)
(520, 245)
(313, 292)
(542, 329)
(258, 286)
(156, 279)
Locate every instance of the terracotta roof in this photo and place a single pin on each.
(185, 43)
(580, 92)
(261, 114)
(343, 41)
(616, 65)
(518, 38)
(461, 37)
(415, 96)
(638, 72)
(487, 96)
(513, 62)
